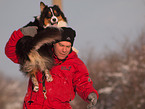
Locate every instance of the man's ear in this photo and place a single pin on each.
(42, 6)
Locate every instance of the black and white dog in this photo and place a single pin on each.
(50, 16)
(34, 52)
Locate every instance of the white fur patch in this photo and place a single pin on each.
(62, 24)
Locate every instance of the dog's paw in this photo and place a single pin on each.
(49, 78)
(36, 88)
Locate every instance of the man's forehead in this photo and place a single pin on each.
(65, 43)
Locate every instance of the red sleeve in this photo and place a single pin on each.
(82, 82)
(10, 47)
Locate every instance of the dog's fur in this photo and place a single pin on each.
(50, 16)
(35, 52)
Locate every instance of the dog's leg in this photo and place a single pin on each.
(35, 82)
(48, 76)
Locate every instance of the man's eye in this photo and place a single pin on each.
(68, 46)
(61, 45)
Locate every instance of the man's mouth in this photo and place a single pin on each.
(62, 54)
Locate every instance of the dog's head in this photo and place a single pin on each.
(52, 16)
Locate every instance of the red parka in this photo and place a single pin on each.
(69, 77)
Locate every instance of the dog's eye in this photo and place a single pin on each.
(56, 13)
(49, 15)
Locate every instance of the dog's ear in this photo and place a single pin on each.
(56, 7)
(42, 6)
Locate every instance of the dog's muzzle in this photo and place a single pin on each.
(54, 20)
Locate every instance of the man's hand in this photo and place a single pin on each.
(92, 97)
(29, 31)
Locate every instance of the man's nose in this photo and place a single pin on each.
(64, 49)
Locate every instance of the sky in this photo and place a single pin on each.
(99, 24)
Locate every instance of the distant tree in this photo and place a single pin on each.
(119, 77)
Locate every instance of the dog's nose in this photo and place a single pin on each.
(54, 20)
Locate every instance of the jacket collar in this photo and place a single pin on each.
(71, 55)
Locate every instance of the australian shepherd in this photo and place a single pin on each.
(50, 16)
(34, 52)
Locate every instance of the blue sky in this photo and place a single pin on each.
(100, 24)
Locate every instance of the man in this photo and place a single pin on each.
(69, 74)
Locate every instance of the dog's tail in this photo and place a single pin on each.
(47, 36)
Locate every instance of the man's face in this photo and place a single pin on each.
(62, 49)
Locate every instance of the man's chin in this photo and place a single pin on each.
(61, 57)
